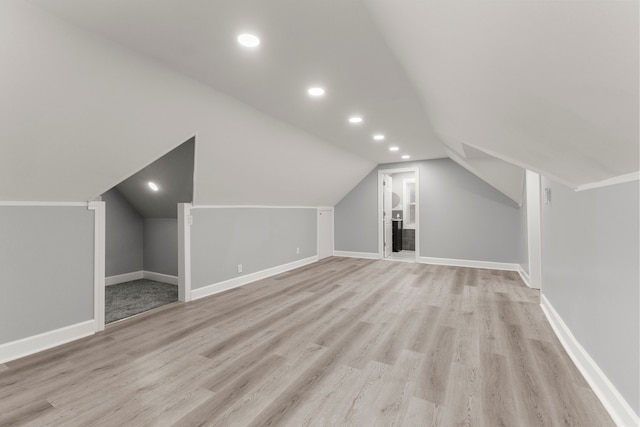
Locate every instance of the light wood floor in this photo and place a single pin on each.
(339, 342)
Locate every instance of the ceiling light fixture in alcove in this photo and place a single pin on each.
(378, 137)
(248, 40)
(355, 120)
(316, 91)
(394, 148)
(155, 190)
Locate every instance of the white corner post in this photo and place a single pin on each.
(99, 263)
(534, 229)
(184, 251)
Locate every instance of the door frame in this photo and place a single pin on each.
(534, 228)
(381, 172)
(330, 211)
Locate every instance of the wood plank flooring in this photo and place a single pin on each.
(339, 342)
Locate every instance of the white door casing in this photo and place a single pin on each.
(325, 232)
(387, 214)
(534, 230)
(381, 225)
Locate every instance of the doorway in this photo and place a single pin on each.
(141, 245)
(398, 214)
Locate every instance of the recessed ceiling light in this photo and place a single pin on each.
(378, 137)
(406, 156)
(248, 40)
(152, 185)
(315, 91)
(394, 148)
(355, 119)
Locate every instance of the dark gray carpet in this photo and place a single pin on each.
(126, 299)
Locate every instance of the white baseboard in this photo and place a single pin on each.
(612, 400)
(159, 277)
(469, 263)
(365, 255)
(142, 274)
(24, 347)
(121, 278)
(248, 278)
(524, 276)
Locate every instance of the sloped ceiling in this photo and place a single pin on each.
(100, 89)
(80, 114)
(172, 174)
(547, 85)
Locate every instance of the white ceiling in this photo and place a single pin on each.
(495, 85)
(547, 85)
(330, 43)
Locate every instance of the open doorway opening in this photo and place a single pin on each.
(398, 214)
(141, 234)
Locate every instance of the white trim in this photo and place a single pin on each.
(243, 280)
(534, 229)
(612, 400)
(381, 172)
(250, 207)
(59, 204)
(522, 165)
(469, 263)
(333, 240)
(194, 187)
(98, 263)
(365, 255)
(122, 278)
(524, 276)
(159, 277)
(141, 274)
(185, 219)
(380, 216)
(620, 179)
(24, 347)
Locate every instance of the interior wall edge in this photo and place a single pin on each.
(524, 276)
(612, 400)
(122, 278)
(470, 263)
(350, 254)
(257, 207)
(249, 278)
(160, 277)
(30, 345)
(41, 203)
(620, 179)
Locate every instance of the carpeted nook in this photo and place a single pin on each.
(129, 298)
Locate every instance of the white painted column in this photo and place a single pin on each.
(534, 229)
(98, 263)
(184, 251)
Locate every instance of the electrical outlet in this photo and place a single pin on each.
(297, 250)
(239, 268)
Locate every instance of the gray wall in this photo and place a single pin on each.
(590, 259)
(356, 218)
(461, 216)
(257, 238)
(46, 260)
(161, 245)
(124, 235)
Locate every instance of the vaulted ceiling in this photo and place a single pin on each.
(100, 89)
